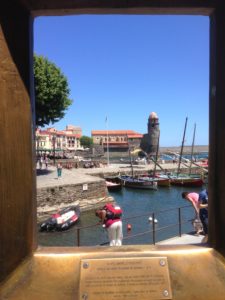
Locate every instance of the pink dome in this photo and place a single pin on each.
(153, 115)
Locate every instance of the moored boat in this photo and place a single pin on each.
(161, 181)
(61, 220)
(138, 183)
(183, 180)
(186, 181)
(113, 186)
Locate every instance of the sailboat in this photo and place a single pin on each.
(137, 182)
(153, 176)
(189, 180)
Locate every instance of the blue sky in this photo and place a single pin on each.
(126, 66)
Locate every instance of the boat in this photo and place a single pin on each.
(182, 179)
(161, 181)
(188, 180)
(138, 183)
(152, 175)
(61, 220)
(113, 186)
(135, 181)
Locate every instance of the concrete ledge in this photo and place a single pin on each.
(185, 239)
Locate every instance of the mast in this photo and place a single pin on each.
(106, 120)
(192, 149)
(182, 147)
(132, 169)
(156, 157)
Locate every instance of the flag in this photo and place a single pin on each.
(106, 119)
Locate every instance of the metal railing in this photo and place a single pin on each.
(153, 231)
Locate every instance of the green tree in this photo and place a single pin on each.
(51, 92)
(86, 141)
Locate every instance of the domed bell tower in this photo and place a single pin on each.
(149, 142)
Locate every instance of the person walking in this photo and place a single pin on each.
(59, 171)
(46, 162)
(110, 217)
(40, 162)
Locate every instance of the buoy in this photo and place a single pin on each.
(151, 220)
(129, 227)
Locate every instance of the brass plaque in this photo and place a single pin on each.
(125, 279)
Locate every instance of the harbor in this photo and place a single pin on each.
(138, 206)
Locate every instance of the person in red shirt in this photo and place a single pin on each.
(110, 217)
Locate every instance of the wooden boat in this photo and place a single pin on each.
(188, 180)
(114, 178)
(113, 186)
(61, 220)
(161, 181)
(182, 179)
(138, 183)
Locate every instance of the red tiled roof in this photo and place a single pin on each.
(43, 132)
(138, 135)
(57, 133)
(73, 135)
(114, 132)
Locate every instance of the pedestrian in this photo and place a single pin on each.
(193, 198)
(203, 211)
(59, 170)
(40, 162)
(46, 162)
(110, 217)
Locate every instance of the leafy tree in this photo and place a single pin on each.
(51, 92)
(86, 141)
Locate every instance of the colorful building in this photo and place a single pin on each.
(61, 141)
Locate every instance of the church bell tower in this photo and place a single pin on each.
(150, 140)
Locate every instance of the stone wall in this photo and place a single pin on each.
(88, 196)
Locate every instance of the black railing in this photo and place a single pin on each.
(153, 231)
